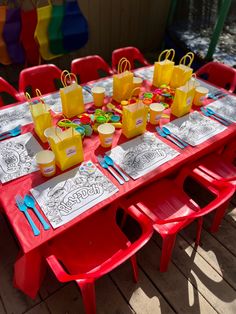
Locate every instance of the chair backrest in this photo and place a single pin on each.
(46, 77)
(219, 74)
(130, 53)
(90, 68)
(8, 94)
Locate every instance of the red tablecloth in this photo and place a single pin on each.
(30, 266)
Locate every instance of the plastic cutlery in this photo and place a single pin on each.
(111, 163)
(14, 132)
(217, 115)
(167, 131)
(208, 114)
(30, 202)
(105, 166)
(23, 208)
(163, 134)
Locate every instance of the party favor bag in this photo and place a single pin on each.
(123, 81)
(41, 116)
(134, 119)
(182, 72)
(41, 32)
(4, 57)
(183, 99)
(67, 147)
(71, 95)
(163, 69)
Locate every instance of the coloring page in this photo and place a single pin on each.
(54, 100)
(107, 83)
(17, 157)
(194, 128)
(70, 194)
(226, 107)
(145, 73)
(14, 116)
(142, 154)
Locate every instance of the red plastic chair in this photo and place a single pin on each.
(171, 209)
(9, 92)
(221, 166)
(219, 74)
(90, 68)
(93, 248)
(46, 77)
(130, 53)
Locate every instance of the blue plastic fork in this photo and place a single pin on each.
(211, 111)
(14, 132)
(23, 208)
(208, 114)
(168, 132)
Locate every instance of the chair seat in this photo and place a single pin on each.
(165, 200)
(217, 167)
(89, 244)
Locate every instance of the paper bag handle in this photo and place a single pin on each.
(64, 78)
(167, 53)
(123, 65)
(189, 56)
(134, 90)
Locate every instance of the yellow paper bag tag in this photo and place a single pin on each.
(67, 147)
(123, 81)
(163, 69)
(71, 95)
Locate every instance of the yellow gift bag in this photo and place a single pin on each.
(67, 147)
(41, 116)
(134, 119)
(183, 99)
(182, 72)
(163, 69)
(123, 81)
(71, 95)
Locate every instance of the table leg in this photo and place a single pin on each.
(29, 271)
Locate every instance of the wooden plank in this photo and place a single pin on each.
(40, 308)
(214, 253)
(105, 22)
(68, 299)
(94, 36)
(2, 310)
(203, 277)
(115, 26)
(231, 215)
(50, 285)
(143, 296)
(225, 234)
(84, 6)
(180, 293)
(14, 301)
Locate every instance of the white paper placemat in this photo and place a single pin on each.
(54, 100)
(107, 83)
(70, 194)
(17, 157)
(194, 128)
(14, 116)
(145, 73)
(226, 107)
(142, 154)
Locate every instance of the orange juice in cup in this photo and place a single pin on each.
(46, 162)
(98, 95)
(106, 132)
(156, 111)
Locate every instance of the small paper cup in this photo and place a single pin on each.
(46, 162)
(106, 132)
(156, 110)
(137, 82)
(200, 95)
(98, 95)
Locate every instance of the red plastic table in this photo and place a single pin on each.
(30, 266)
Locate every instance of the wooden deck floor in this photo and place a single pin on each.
(202, 281)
